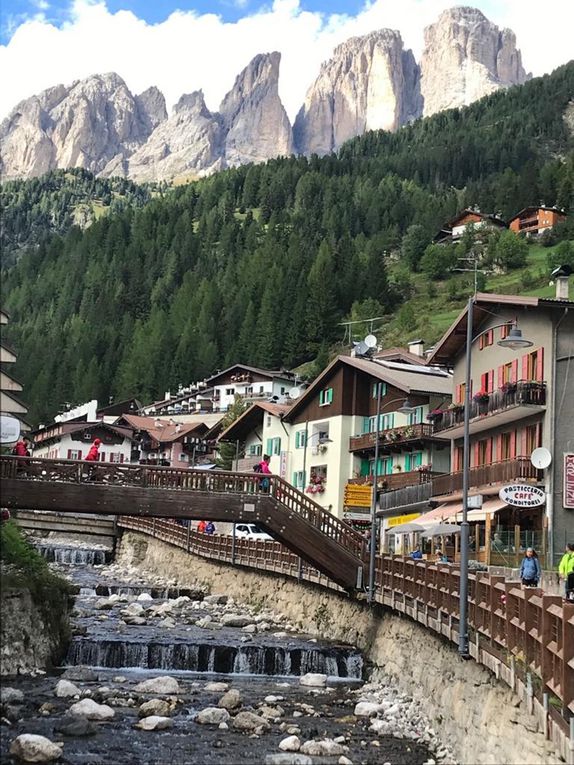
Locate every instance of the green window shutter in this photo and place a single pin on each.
(417, 460)
(269, 446)
(364, 467)
(294, 481)
(365, 425)
(330, 395)
(297, 444)
(407, 462)
(277, 446)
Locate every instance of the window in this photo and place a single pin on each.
(249, 390)
(273, 446)
(416, 417)
(483, 452)
(255, 450)
(74, 454)
(300, 439)
(458, 458)
(375, 387)
(261, 389)
(533, 365)
(504, 447)
(229, 391)
(116, 457)
(459, 393)
(387, 421)
(299, 479)
(413, 461)
(487, 381)
(531, 437)
(486, 339)
(384, 466)
(326, 397)
(505, 330)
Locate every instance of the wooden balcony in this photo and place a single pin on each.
(393, 439)
(398, 480)
(506, 471)
(504, 405)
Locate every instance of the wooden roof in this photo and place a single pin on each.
(250, 419)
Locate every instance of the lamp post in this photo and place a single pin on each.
(405, 408)
(308, 438)
(515, 341)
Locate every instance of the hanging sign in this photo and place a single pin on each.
(522, 495)
(9, 429)
(358, 495)
(569, 481)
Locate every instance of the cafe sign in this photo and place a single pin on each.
(522, 495)
(569, 481)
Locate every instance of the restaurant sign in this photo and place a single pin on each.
(522, 495)
(569, 481)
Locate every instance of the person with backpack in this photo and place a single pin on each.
(530, 569)
(22, 449)
(94, 453)
(210, 527)
(566, 568)
(263, 467)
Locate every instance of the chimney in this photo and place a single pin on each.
(417, 347)
(167, 395)
(561, 275)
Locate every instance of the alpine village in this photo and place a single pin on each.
(287, 427)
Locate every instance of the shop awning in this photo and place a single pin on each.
(452, 511)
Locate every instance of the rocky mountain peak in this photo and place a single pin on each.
(152, 106)
(370, 83)
(465, 57)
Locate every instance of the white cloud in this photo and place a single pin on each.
(189, 51)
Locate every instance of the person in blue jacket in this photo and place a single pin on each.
(530, 569)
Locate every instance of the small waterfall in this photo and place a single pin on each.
(73, 556)
(157, 593)
(219, 659)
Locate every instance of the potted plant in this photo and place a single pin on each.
(408, 432)
(508, 387)
(481, 397)
(393, 435)
(397, 468)
(435, 415)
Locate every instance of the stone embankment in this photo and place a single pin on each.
(478, 716)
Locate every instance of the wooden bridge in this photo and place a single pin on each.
(292, 518)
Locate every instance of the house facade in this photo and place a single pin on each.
(536, 220)
(453, 230)
(258, 431)
(72, 441)
(158, 441)
(249, 384)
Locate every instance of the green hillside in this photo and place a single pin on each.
(260, 264)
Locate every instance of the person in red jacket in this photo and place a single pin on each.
(22, 448)
(94, 453)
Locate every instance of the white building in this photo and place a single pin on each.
(72, 441)
(250, 384)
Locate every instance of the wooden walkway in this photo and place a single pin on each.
(291, 517)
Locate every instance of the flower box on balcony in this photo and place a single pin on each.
(482, 397)
(435, 415)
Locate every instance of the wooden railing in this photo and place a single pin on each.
(186, 479)
(398, 480)
(387, 438)
(514, 631)
(519, 469)
(522, 393)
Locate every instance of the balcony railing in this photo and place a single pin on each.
(390, 437)
(397, 480)
(523, 393)
(517, 469)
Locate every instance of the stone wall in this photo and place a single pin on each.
(478, 716)
(32, 636)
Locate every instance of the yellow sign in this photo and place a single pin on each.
(401, 519)
(358, 495)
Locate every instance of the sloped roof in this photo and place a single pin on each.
(74, 426)
(532, 208)
(400, 354)
(281, 373)
(163, 431)
(485, 216)
(248, 421)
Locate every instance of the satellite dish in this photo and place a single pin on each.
(541, 458)
(294, 393)
(370, 341)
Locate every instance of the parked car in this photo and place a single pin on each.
(251, 531)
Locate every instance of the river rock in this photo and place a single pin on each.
(81, 673)
(250, 628)
(91, 710)
(286, 758)
(11, 696)
(313, 679)
(367, 708)
(71, 725)
(230, 700)
(216, 599)
(163, 685)
(212, 716)
(144, 597)
(65, 689)
(135, 620)
(235, 620)
(271, 713)
(216, 687)
(249, 721)
(134, 609)
(290, 744)
(168, 623)
(154, 722)
(103, 604)
(344, 760)
(155, 707)
(324, 748)
(32, 748)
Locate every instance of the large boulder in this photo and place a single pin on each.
(290, 744)
(288, 758)
(89, 709)
(249, 721)
(324, 748)
(163, 685)
(212, 716)
(230, 700)
(154, 722)
(71, 725)
(65, 689)
(156, 707)
(367, 708)
(313, 679)
(235, 620)
(11, 696)
(32, 748)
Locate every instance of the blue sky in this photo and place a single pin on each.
(208, 42)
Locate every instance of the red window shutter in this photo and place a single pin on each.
(540, 365)
(514, 373)
(489, 451)
(499, 447)
(476, 449)
(80, 455)
(512, 444)
(458, 395)
(456, 460)
(484, 381)
(523, 443)
(500, 375)
(69, 454)
(539, 434)
(481, 342)
(491, 381)
(525, 367)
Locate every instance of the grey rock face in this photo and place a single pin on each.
(188, 143)
(255, 123)
(90, 124)
(370, 83)
(466, 57)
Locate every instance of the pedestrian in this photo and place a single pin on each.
(441, 557)
(566, 567)
(530, 569)
(416, 553)
(210, 528)
(94, 453)
(22, 448)
(265, 470)
(201, 526)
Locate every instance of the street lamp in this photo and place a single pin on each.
(515, 341)
(405, 408)
(322, 440)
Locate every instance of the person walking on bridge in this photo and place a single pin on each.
(94, 453)
(566, 568)
(530, 569)
(265, 470)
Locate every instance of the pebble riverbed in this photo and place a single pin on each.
(126, 715)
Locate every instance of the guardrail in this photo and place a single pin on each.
(524, 636)
(387, 438)
(504, 471)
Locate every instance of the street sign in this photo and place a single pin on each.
(357, 495)
(569, 481)
(9, 429)
(522, 495)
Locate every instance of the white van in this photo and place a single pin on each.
(251, 531)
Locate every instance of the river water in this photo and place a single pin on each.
(126, 632)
